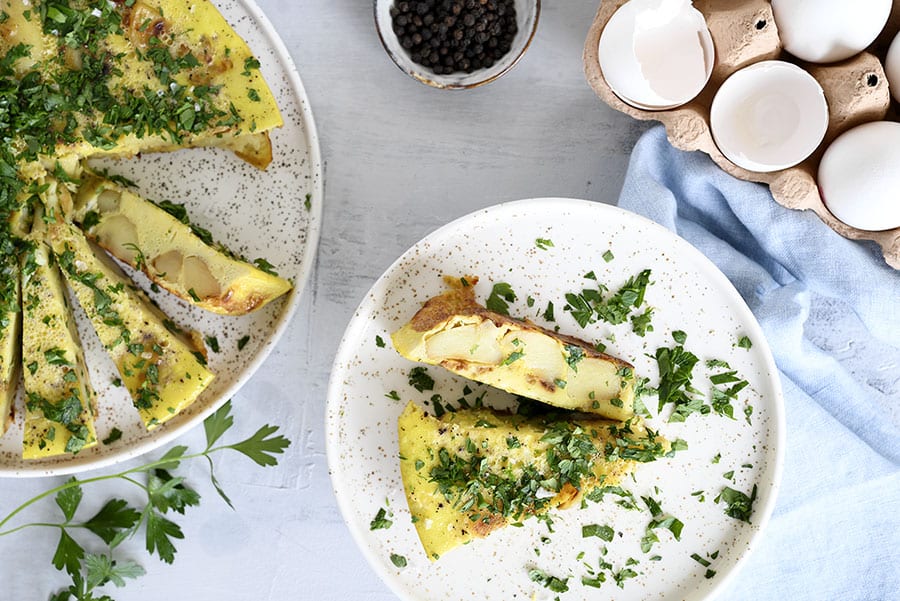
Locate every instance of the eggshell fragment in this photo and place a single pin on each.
(656, 54)
(859, 176)
(825, 31)
(769, 116)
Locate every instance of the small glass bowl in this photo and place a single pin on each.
(527, 13)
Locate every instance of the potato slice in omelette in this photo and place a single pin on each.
(170, 251)
(161, 368)
(452, 330)
(476, 470)
(59, 400)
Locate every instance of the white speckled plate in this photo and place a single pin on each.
(688, 293)
(255, 213)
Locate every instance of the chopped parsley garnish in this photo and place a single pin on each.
(56, 356)
(737, 504)
(557, 585)
(250, 64)
(513, 357)
(574, 356)
(641, 324)
(590, 305)
(114, 435)
(501, 295)
(744, 342)
(381, 521)
(543, 243)
(603, 532)
(379, 342)
(213, 343)
(721, 398)
(622, 575)
(393, 395)
(243, 342)
(398, 560)
(676, 367)
(548, 312)
(420, 380)
(265, 266)
(660, 520)
(608, 256)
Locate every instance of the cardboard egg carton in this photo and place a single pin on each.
(744, 32)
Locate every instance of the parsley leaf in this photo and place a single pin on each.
(262, 446)
(501, 295)
(68, 554)
(113, 518)
(217, 424)
(160, 532)
(169, 493)
(69, 499)
(101, 569)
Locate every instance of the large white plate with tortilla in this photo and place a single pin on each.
(273, 214)
(543, 248)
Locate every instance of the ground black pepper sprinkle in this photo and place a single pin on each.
(450, 36)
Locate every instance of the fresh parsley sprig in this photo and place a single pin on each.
(118, 520)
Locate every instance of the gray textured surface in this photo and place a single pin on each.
(401, 160)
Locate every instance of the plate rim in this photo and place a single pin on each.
(762, 514)
(313, 231)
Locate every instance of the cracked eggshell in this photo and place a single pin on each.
(656, 54)
(769, 116)
(825, 31)
(860, 174)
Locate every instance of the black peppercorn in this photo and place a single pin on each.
(450, 36)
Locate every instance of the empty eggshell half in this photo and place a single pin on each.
(859, 176)
(825, 31)
(769, 116)
(656, 54)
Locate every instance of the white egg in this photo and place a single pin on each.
(825, 31)
(892, 68)
(656, 54)
(859, 176)
(769, 116)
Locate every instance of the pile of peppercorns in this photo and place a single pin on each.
(449, 36)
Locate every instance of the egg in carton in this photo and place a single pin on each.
(744, 33)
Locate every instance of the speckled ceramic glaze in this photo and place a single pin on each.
(688, 293)
(255, 213)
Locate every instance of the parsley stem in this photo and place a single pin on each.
(121, 475)
(37, 524)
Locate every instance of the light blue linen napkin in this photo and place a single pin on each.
(830, 310)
